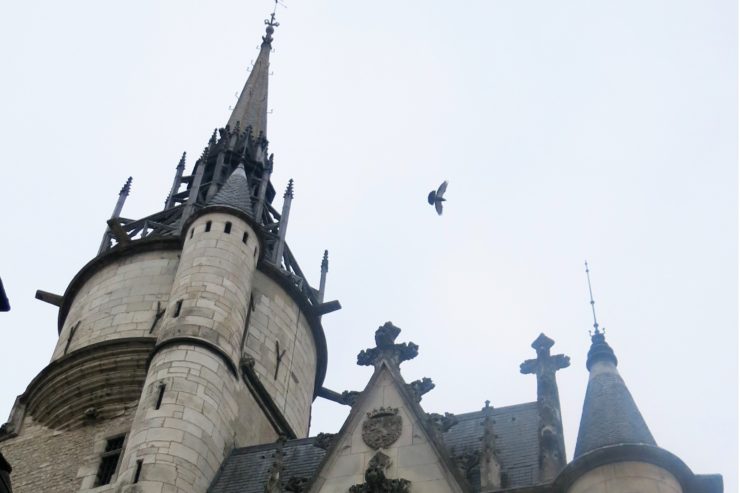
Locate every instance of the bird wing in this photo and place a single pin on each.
(442, 188)
(432, 197)
(438, 206)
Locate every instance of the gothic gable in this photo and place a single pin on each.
(387, 444)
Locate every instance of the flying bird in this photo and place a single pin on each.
(436, 197)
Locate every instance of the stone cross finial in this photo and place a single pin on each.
(552, 445)
(386, 348)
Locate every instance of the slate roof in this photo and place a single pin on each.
(610, 415)
(235, 192)
(517, 447)
(246, 470)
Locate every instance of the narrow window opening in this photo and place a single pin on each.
(227, 228)
(109, 460)
(255, 252)
(139, 463)
(178, 307)
(191, 233)
(208, 226)
(161, 395)
(245, 236)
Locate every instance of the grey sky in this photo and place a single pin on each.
(568, 130)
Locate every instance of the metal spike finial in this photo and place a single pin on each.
(325, 262)
(271, 25)
(591, 295)
(289, 190)
(126, 187)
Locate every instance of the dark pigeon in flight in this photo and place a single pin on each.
(436, 197)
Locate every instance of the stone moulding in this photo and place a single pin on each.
(106, 376)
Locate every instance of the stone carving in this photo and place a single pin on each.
(296, 484)
(382, 428)
(91, 413)
(442, 423)
(7, 429)
(375, 480)
(349, 397)
(490, 467)
(385, 348)
(467, 462)
(324, 440)
(420, 387)
(246, 361)
(276, 469)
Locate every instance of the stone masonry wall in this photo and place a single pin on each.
(50, 461)
(119, 300)
(183, 443)
(626, 477)
(213, 283)
(277, 318)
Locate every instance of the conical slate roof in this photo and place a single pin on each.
(235, 193)
(610, 415)
(251, 107)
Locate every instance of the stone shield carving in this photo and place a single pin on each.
(382, 427)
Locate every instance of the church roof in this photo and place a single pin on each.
(235, 193)
(610, 415)
(247, 469)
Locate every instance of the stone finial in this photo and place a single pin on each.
(276, 469)
(386, 348)
(181, 164)
(325, 262)
(289, 190)
(544, 362)
(126, 189)
(490, 467)
(550, 431)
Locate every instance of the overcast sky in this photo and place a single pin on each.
(568, 130)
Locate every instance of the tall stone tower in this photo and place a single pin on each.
(193, 331)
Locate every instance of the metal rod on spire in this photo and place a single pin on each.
(591, 295)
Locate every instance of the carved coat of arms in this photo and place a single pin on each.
(382, 427)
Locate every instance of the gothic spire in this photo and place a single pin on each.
(610, 415)
(251, 107)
